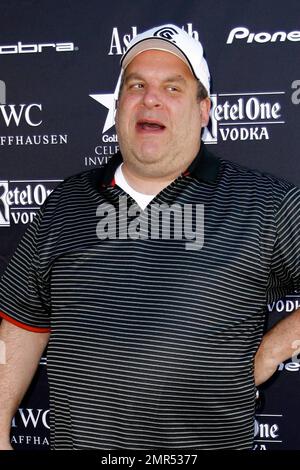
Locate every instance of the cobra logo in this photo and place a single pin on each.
(166, 33)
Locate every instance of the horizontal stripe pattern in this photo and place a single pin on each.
(151, 344)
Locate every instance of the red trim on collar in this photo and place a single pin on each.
(22, 325)
(111, 184)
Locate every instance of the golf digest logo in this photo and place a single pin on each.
(20, 200)
(109, 145)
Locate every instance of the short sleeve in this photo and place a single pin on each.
(24, 293)
(285, 265)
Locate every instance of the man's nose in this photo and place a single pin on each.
(151, 98)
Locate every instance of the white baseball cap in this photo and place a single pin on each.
(175, 40)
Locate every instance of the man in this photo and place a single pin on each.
(152, 342)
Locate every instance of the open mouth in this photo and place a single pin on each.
(146, 125)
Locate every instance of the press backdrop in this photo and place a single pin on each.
(59, 62)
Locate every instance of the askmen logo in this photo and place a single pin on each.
(37, 48)
(21, 199)
(240, 33)
(267, 431)
(119, 42)
(244, 116)
(28, 116)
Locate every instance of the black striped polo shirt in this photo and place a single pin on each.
(152, 344)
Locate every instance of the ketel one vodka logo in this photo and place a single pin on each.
(244, 116)
(267, 431)
(20, 200)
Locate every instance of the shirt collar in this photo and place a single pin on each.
(205, 167)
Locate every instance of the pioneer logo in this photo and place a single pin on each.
(242, 33)
(21, 48)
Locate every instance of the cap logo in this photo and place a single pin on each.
(166, 33)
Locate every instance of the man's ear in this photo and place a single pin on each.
(204, 111)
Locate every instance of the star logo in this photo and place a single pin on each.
(109, 101)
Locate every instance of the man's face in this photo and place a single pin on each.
(159, 117)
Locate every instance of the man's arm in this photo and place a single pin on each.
(20, 355)
(280, 343)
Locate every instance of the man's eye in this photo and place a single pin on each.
(172, 88)
(136, 86)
